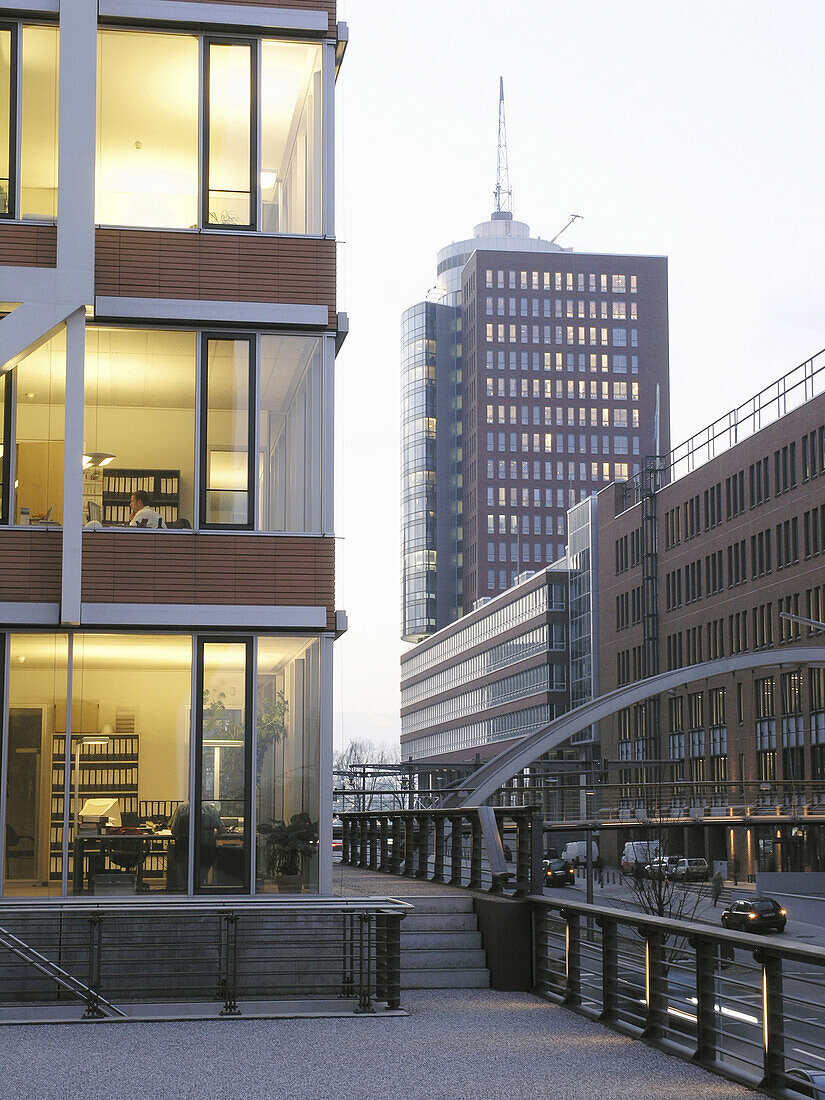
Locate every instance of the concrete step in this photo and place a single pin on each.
(416, 921)
(441, 903)
(439, 941)
(466, 959)
(445, 979)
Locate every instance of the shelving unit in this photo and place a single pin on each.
(104, 770)
(163, 487)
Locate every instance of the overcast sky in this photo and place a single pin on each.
(691, 130)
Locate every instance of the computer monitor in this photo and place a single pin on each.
(100, 811)
(95, 512)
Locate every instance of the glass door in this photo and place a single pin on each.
(224, 767)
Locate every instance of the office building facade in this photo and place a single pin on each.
(535, 377)
(167, 256)
(704, 568)
(496, 674)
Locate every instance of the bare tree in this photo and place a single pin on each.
(369, 776)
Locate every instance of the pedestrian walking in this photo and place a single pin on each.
(716, 887)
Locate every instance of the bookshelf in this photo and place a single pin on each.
(163, 487)
(104, 770)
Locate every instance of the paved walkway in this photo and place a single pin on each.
(455, 1045)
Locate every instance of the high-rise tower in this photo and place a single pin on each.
(530, 378)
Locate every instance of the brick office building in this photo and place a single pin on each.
(703, 568)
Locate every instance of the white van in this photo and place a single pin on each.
(576, 852)
(637, 854)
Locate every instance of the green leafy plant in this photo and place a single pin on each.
(289, 846)
(272, 714)
(219, 723)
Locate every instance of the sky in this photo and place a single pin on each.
(691, 130)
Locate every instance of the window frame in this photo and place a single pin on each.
(250, 673)
(7, 381)
(14, 121)
(254, 44)
(252, 437)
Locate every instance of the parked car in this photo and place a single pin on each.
(576, 852)
(690, 870)
(661, 866)
(755, 915)
(807, 1082)
(637, 854)
(558, 872)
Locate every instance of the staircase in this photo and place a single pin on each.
(441, 945)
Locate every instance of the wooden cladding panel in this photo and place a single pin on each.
(231, 267)
(30, 565)
(148, 567)
(28, 245)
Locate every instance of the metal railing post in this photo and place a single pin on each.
(422, 844)
(573, 960)
(610, 969)
(456, 842)
(438, 847)
(228, 963)
(388, 960)
(384, 844)
(373, 842)
(409, 845)
(476, 847)
(655, 986)
(395, 854)
(366, 929)
(347, 956)
(707, 1026)
(93, 1009)
(772, 1020)
(362, 843)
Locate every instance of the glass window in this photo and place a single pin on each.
(230, 134)
(7, 80)
(5, 411)
(291, 132)
(289, 433)
(226, 433)
(147, 144)
(131, 708)
(38, 467)
(223, 806)
(35, 789)
(139, 423)
(38, 123)
(287, 775)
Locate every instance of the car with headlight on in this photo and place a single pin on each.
(558, 872)
(755, 915)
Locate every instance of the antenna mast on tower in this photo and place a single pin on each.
(503, 191)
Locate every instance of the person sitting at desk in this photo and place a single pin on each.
(142, 513)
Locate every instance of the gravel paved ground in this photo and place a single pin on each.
(455, 1045)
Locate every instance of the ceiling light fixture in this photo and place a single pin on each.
(97, 459)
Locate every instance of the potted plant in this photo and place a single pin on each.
(288, 848)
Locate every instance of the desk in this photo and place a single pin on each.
(96, 854)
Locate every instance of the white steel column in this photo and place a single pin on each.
(73, 469)
(328, 142)
(76, 147)
(325, 771)
(327, 471)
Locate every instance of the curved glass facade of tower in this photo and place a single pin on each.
(418, 471)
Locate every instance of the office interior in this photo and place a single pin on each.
(109, 826)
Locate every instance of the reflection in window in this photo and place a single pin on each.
(231, 195)
(38, 685)
(147, 145)
(130, 750)
(38, 125)
(38, 467)
(288, 730)
(140, 417)
(226, 435)
(7, 75)
(291, 130)
(221, 849)
(289, 440)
